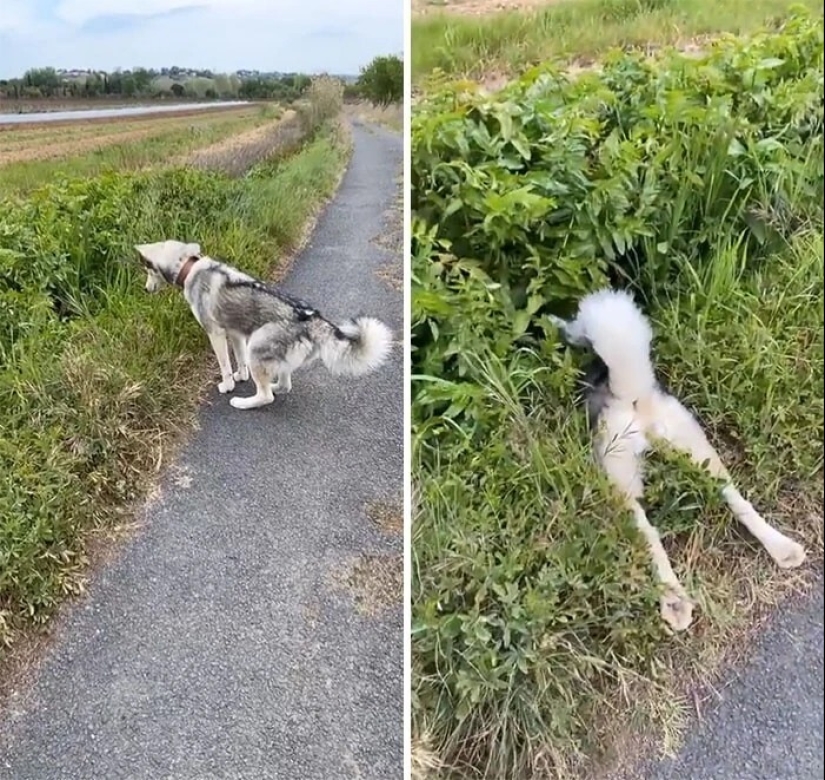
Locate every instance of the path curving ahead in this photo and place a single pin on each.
(224, 641)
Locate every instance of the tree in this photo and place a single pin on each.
(382, 81)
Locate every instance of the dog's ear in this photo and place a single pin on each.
(570, 332)
(142, 253)
(191, 250)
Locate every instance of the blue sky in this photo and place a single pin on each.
(309, 36)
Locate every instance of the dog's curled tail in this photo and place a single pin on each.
(356, 347)
(620, 335)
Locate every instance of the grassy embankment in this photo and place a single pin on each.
(493, 45)
(97, 379)
(698, 182)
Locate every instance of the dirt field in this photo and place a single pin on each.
(474, 7)
(53, 140)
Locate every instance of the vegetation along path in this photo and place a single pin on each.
(245, 631)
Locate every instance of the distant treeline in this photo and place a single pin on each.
(150, 83)
(381, 82)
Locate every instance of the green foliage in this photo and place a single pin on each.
(551, 185)
(142, 82)
(96, 375)
(511, 41)
(382, 81)
(699, 183)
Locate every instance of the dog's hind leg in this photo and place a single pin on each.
(283, 383)
(621, 456)
(681, 429)
(241, 360)
(262, 376)
(221, 349)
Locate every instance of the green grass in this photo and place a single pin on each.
(22, 177)
(98, 379)
(537, 644)
(510, 42)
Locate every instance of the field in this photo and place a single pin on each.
(99, 381)
(463, 38)
(34, 153)
(696, 180)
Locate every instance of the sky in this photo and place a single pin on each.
(304, 36)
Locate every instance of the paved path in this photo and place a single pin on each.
(217, 645)
(769, 724)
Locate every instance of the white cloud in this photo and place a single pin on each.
(15, 15)
(301, 35)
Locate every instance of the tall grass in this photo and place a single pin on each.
(537, 641)
(510, 42)
(97, 378)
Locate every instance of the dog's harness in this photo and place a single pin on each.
(180, 279)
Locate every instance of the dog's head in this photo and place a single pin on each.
(571, 332)
(163, 261)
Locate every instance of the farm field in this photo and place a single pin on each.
(99, 381)
(694, 179)
(33, 153)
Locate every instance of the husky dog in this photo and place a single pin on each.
(629, 411)
(272, 334)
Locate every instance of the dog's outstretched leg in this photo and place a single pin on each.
(681, 429)
(221, 349)
(241, 359)
(263, 384)
(620, 454)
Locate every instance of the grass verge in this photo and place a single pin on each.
(537, 643)
(508, 43)
(97, 379)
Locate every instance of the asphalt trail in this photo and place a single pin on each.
(219, 643)
(769, 724)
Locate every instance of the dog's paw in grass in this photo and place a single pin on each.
(787, 553)
(676, 608)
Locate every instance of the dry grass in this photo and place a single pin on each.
(387, 514)
(238, 153)
(475, 7)
(374, 581)
(391, 238)
(391, 117)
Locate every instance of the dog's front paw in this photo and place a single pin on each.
(787, 553)
(241, 375)
(676, 608)
(227, 386)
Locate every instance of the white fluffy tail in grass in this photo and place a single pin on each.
(357, 347)
(618, 332)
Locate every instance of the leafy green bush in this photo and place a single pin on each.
(699, 183)
(382, 81)
(551, 185)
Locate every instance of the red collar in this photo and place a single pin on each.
(180, 279)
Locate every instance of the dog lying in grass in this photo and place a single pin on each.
(629, 411)
(272, 334)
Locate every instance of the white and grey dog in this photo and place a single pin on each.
(629, 411)
(272, 334)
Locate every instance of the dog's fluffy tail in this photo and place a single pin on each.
(356, 347)
(620, 335)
